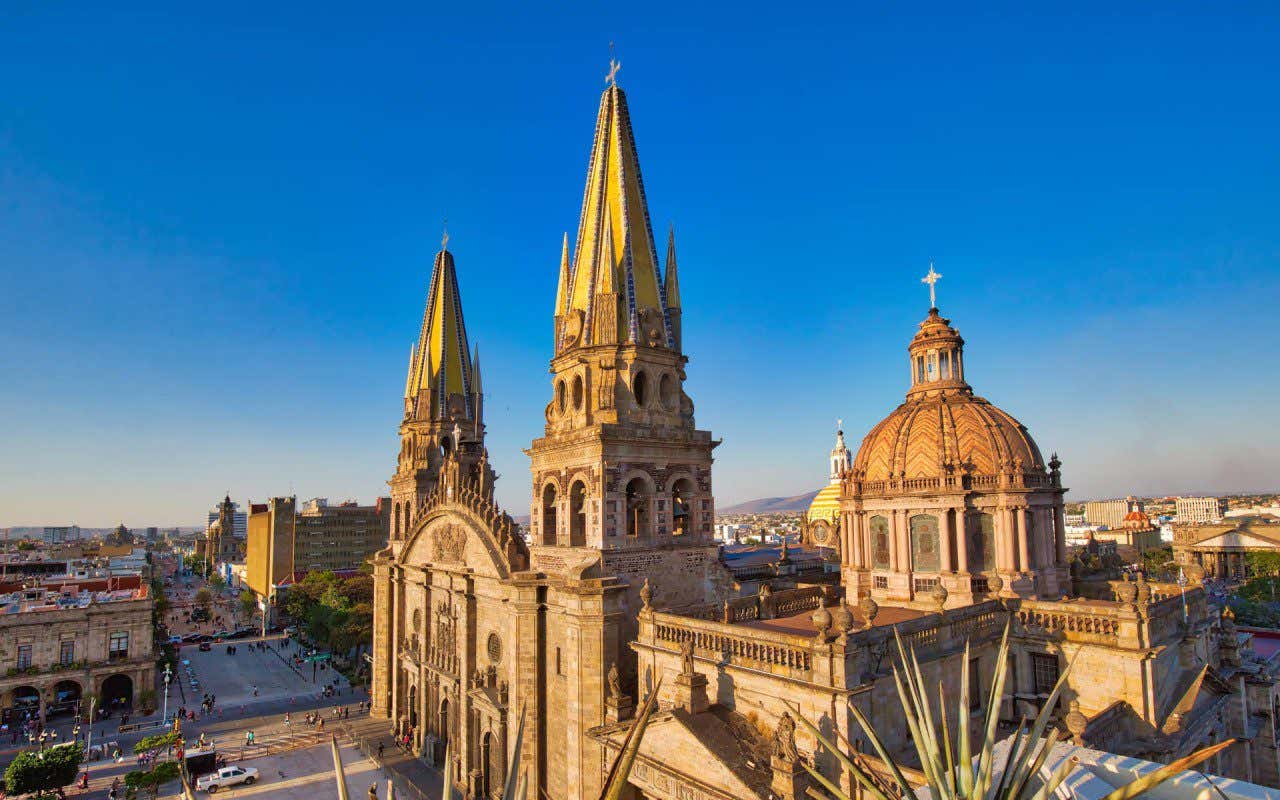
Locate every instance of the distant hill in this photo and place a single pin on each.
(769, 505)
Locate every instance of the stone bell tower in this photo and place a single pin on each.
(443, 401)
(622, 477)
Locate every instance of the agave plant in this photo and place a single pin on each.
(949, 768)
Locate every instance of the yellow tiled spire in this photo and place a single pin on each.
(562, 288)
(442, 368)
(614, 208)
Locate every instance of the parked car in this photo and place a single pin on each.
(205, 647)
(175, 640)
(227, 776)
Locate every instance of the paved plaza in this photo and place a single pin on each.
(232, 678)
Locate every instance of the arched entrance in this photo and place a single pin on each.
(413, 707)
(443, 733)
(117, 692)
(486, 764)
(26, 703)
(65, 698)
(549, 514)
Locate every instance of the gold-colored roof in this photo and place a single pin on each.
(614, 260)
(440, 364)
(826, 504)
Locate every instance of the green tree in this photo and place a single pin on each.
(43, 773)
(1263, 563)
(160, 741)
(217, 582)
(248, 603)
(26, 545)
(1158, 563)
(150, 780)
(204, 597)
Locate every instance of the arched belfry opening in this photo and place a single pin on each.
(549, 500)
(578, 514)
(637, 500)
(682, 507)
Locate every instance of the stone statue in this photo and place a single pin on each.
(615, 682)
(646, 596)
(784, 739)
(686, 657)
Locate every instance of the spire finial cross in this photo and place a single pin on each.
(614, 66)
(932, 279)
(444, 238)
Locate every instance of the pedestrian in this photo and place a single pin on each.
(381, 745)
(373, 791)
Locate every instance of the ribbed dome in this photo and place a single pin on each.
(927, 434)
(826, 504)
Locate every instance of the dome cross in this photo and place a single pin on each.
(932, 279)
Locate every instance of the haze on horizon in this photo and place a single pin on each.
(216, 232)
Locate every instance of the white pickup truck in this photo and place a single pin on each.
(227, 776)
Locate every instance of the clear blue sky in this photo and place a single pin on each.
(216, 229)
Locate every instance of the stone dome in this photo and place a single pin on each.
(943, 428)
(950, 433)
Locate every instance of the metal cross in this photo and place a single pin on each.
(614, 66)
(444, 240)
(932, 279)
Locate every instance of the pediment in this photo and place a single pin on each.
(1239, 539)
(450, 539)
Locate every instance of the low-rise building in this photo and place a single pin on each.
(59, 648)
(1134, 531)
(1195, 510)
(1221, 550)
(1111, 513)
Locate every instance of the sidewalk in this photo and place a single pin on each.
(413, 778)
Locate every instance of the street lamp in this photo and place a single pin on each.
(168, 676)
(1182, 585)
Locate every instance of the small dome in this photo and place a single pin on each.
(826, 504)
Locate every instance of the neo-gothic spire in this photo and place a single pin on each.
(440, 369)
(614, 246)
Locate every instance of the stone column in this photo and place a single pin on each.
(1060, 533)
(962, 543)
(944, 533)
(895, 527)
(1004, 551)
(1020, 530)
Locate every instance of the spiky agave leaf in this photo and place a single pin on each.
(509, 790)
(616, 781)
(865, 780)
(447, 794)
(1159, 776)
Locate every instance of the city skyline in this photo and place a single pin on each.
(247, 262)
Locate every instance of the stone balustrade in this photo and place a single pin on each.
(1093, 624)
(731, 644)
(954, 482)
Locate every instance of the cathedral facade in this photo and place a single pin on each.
(947, 524)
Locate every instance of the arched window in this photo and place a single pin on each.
(640, 388)
(577, 393)
(549, 514)
(924, 543)
(637, 500)
(879, 527)
(560, 396)
(396, 529)
(681, 505)
(980, 544)
(578, 514)
(445, 446)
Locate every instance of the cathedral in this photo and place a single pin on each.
(947, 524)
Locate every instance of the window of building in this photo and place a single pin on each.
(67, 653)
(24, 656)
(119, 646)
(1044, 672)
(559, 665)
